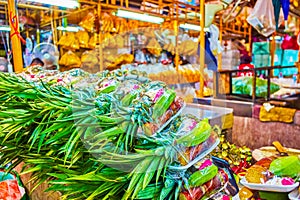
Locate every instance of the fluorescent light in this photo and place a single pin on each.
(5, 28)
(60, 3)
(277, 37)
(69, 28)
(192, 27)
(138, 16)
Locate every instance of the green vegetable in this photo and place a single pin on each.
(202, 176)
(108, 89)
(128, 98)
(163, 103)
(243, 85)
(286, 166)
(198, 135)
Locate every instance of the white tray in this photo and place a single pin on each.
(270, 188)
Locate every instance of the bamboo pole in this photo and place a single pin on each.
(100, 38)
(15, 36)
(202, 46)
(176, 36)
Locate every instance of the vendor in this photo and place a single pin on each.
(3, 65)
(37, 61)
(245, 64)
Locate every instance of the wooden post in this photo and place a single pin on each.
(272, 51)
(202, 46)
(15, 36)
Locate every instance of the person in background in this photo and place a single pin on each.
(245, 64)
(37, 61)
(3, 65)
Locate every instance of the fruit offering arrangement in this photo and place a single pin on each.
(111, 135)
(271, 174)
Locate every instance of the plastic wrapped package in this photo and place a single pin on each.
(93, 41)
(70, 59)
(262, 17)
(88, 22)
(107, 23)
(187, 93)
(83, 38)
(154, 47)
(90, 61)
(69, 41)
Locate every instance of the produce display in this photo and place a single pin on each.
(243, 85)
(167, 73)
(110, 135)
(272, 175)
(238, 157)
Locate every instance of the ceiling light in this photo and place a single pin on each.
(60, 3)
(69, 28)
(5, 28)
(138, 16)
(192, 27)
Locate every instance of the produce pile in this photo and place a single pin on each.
(110, 135)
(243, 85)
(281, 174)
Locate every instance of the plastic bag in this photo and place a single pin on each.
(70, 59)
(83, 38)
(262, 17)
(88, 22)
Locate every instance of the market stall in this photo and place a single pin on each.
(106, 100)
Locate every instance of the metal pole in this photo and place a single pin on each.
(202, 46)
(15, 36)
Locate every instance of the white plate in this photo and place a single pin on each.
(270, 188)
(294, 195)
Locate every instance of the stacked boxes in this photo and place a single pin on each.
(262, 58)
(261, 54)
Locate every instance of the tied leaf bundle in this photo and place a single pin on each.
(87, 143)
